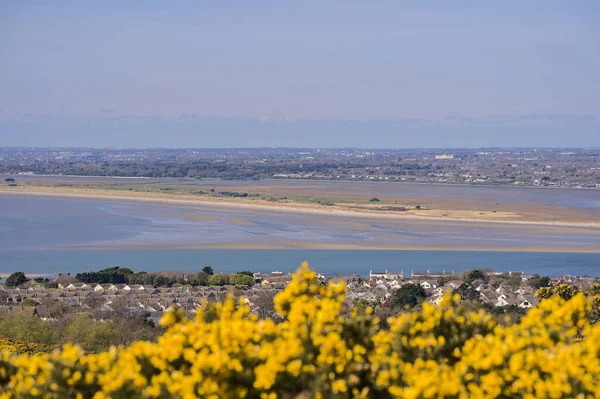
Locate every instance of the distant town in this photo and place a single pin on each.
(548, 167)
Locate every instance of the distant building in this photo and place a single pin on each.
(445, 156)
(429, 275)
(386, 275)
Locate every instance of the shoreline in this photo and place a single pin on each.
(309, 246)
(310, 181)
(302, 208)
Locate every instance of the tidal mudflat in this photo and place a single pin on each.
(424, 201)
(43, 222)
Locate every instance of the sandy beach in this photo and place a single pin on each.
(519, 214)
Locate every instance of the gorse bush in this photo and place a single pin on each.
(443, 351)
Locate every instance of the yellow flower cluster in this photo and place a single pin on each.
(9, 345)
(321, 350)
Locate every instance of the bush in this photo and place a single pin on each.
(27, 328)
(240, 279)
(408, 295)
(218, 279)
(475, 274)
(467, 292)
(543, 282)
(93, 336)
(16, 279)
(443, 351)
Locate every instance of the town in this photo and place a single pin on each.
(511, 291)
(546, 167)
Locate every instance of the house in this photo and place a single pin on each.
(354, 279)
(436, 299)
(501, 301)
(525, 304)
(488, 296)
(386, 275)
(427, 284)
(106, 308)
(394, 284)
(381, 291)
(429, 275)
(454, 284)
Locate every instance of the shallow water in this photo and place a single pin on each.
(32, 229)
(329, 262)
(35, 223)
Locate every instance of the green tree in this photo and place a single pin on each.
(467, 292)
(543, 282)
(200, 278)
(208, 270)
(475, 274)
(240, 279)
(16, 279)
(443, 280)
(374, 199)
(111, 275)
(409, 295)
(218, 279)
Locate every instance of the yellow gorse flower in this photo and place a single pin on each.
(442, 351)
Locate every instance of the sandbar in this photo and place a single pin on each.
(553, 216)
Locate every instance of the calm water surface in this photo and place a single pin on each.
(35, 223)
(32, 230)
(330, 262)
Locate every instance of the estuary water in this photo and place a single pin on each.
(329, 262)
(35, 222)
(52, 234)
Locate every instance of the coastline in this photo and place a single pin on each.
(336, 247)
(286, 207)
(306, 180)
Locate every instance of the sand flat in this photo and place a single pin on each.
(521, 213)
(202, 222)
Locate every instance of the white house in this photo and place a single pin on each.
(386, 275)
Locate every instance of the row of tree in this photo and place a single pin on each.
(119, 275)
(123, 275)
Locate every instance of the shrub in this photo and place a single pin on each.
(218, 279)
(444, 351)
(240, 279)
(408, 295)
(16, 279)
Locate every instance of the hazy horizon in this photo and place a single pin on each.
(407, 149)
(333, 74)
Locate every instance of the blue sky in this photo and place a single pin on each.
(303, 73)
